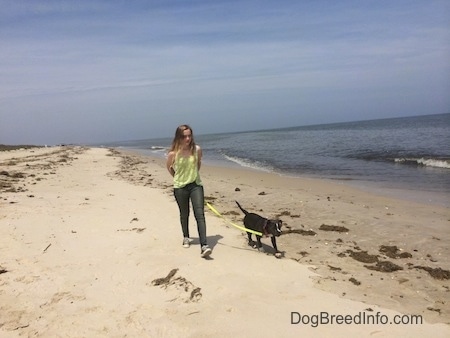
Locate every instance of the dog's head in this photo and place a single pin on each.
(274, 227)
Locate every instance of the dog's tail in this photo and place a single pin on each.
(243, 210)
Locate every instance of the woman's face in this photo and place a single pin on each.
(187, 137)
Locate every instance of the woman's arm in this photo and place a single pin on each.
(199, 157)
(169, 163)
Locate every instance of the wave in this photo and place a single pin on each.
(249, 163)
(158, 148)
(430, 162)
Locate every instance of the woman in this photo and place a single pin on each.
(183, 163)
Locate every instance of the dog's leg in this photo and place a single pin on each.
(250, 240)
(259, 245)
(274, 244)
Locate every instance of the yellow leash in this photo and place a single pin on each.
(235, 225)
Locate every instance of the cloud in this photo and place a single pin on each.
(197, 56)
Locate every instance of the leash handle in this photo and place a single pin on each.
(235, 225)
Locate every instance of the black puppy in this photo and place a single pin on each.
(268, 228)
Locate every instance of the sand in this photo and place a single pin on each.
(90, 246)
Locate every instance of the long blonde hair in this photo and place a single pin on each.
(179, 137)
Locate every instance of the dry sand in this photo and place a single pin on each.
(90, 246)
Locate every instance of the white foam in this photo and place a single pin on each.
(434, 163)
(425, 162)
(249, 164)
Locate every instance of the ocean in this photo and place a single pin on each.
(408, 155)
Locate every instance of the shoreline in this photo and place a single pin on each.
(80, 224)
(437, 198)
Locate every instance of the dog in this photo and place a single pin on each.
(267, 227)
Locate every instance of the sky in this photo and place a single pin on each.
(100, 71)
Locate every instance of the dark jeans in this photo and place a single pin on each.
(194, 193)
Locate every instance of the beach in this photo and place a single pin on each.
(90, 246)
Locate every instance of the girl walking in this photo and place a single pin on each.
(183, 163)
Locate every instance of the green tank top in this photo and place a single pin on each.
(186, 171)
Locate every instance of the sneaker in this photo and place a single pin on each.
(206, 251)
(186, 242)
